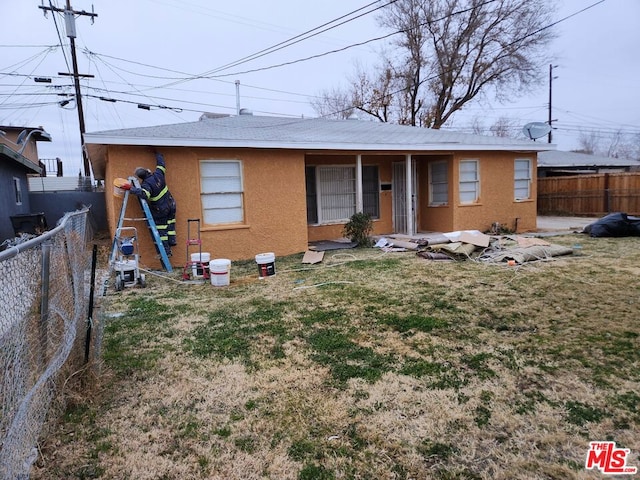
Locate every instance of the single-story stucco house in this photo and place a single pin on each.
(271, 184)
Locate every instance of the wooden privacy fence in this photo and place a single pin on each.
(590, 195)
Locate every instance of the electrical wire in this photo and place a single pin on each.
(66, 60)
(303, 36)
(215, 78)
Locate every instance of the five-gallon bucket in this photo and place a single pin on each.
(266, 264)
(220, 271)
(203, 258)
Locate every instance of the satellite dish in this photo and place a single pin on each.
(535, 130)
(21, 137)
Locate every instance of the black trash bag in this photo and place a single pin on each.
(614, 225)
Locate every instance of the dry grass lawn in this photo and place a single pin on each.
(367, 366)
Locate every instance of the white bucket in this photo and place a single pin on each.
(220, 271)
(204, 257)
(266, 264)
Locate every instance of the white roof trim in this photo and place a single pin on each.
(218, 143)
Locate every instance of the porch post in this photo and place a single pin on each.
(359, 201)
(409, 192)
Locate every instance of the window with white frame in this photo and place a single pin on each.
(469, 181)
(18, 190)
(221, 191)
(522, 179)
(331, 193)
(438, 183)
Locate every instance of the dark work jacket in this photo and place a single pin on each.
(154, 189)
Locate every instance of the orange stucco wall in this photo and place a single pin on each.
(496, 202)
(274, 201)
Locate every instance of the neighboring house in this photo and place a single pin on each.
(266, 184)
(556, 163)
(18, 160)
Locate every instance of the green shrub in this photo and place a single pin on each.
(359, 228)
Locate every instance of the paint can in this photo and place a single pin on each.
(220, 271)
(203, 258)
(117, 184)
(266, 264)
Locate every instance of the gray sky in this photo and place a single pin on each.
(141, 51)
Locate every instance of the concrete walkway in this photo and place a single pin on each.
(564, 224)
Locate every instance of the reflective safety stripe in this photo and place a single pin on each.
(160, 167)
(146, 193)
(160, 195)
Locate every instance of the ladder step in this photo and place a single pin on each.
(150, 223)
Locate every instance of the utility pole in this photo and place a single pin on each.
(551, 77)
(70, 24)
(237, 97)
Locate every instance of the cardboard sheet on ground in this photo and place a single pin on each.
(476, 238)
(455, 236)
(312, 257)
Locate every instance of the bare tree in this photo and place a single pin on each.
(372, 93)
(453, 50)
(617, 145)
(505, 127)
(448, 52)
(588, 143)
(334, 103)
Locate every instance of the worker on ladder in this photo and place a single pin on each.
(153, 188)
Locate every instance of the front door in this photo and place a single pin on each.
(399, 186)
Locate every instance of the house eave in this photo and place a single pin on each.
(21, 159)
(313, 146)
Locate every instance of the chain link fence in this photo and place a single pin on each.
(44, 286)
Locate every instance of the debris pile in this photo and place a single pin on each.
(475, 245)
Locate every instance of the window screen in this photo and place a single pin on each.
(221, 191)
(522, 179)
(469, 181)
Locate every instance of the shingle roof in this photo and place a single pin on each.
(308, 134)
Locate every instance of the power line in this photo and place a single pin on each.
(69, 14)
(303, 36)
(284, 44)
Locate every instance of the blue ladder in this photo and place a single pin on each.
(150, 222)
